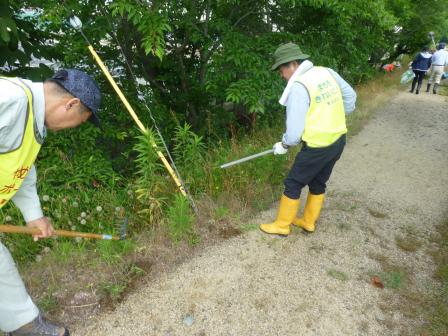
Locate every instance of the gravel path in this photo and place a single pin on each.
(390, 183)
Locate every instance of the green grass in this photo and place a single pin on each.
(437, 308)
(339, 275)
(48, 303)
(393, 279)
(248, 227)
(113, 290)
(409, 243)
(180, 221)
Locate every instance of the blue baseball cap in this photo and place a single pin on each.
(82, 86)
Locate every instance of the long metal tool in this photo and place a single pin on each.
(247, 158)
(76, 23)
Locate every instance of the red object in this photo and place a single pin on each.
(389, 67)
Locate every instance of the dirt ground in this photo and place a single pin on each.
(385, 197)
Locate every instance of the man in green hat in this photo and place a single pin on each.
(317, 100)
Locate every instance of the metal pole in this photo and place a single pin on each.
(247, 158)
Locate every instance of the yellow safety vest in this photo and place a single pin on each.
(325, 120)
(15, 164)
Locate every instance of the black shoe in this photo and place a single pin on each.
(428, 87)
(40, 327)
(416, 91)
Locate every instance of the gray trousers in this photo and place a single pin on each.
(16, 306)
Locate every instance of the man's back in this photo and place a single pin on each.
(440, 57)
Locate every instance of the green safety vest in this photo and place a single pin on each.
(325, 119)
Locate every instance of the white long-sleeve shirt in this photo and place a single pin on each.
(440, 57)
(298, 103)
(13, 108)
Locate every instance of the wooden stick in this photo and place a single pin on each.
(64, 233)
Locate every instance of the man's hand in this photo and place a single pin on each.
(44, 225)
(279, 149)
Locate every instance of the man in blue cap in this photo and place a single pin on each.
(27, 110)
(316, 100)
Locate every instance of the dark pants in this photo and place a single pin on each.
(418, 79)
(313, 167)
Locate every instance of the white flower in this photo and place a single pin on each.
(83, 214)
(38, 258)
(64, 200)
(78, 239)
(58, 215)
(75, 204)
(45, 198)
(73, 228)
(117, 209)
(99, 209)
(83, 222)
(79, 218)
(46, 249)
(8, 218)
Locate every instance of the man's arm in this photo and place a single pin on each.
(348, 94)
(297, 107)
(26, 198)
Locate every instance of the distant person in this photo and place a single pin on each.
(27, 110)
(439, 61)
(420, 65)
(389, 67)
(317, 100)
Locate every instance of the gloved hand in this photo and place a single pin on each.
(279, 149)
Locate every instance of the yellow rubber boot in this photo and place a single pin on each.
(286, 214)
(311, 212)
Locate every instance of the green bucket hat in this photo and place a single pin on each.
(286, 53)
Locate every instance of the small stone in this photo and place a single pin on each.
(188, 320)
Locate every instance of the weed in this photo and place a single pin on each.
(393, 279)
(337, 274)
(180, 221)
(248, 227)
(113, 290)
(221, 213)
(376, 214)
(345, 206)
(149, 183)
(48, 303)
(409, 243)
(436, 310)
(111, 252)
(343, 226)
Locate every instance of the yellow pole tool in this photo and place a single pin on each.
(136, 119)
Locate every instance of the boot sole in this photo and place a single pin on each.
(275, 234)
